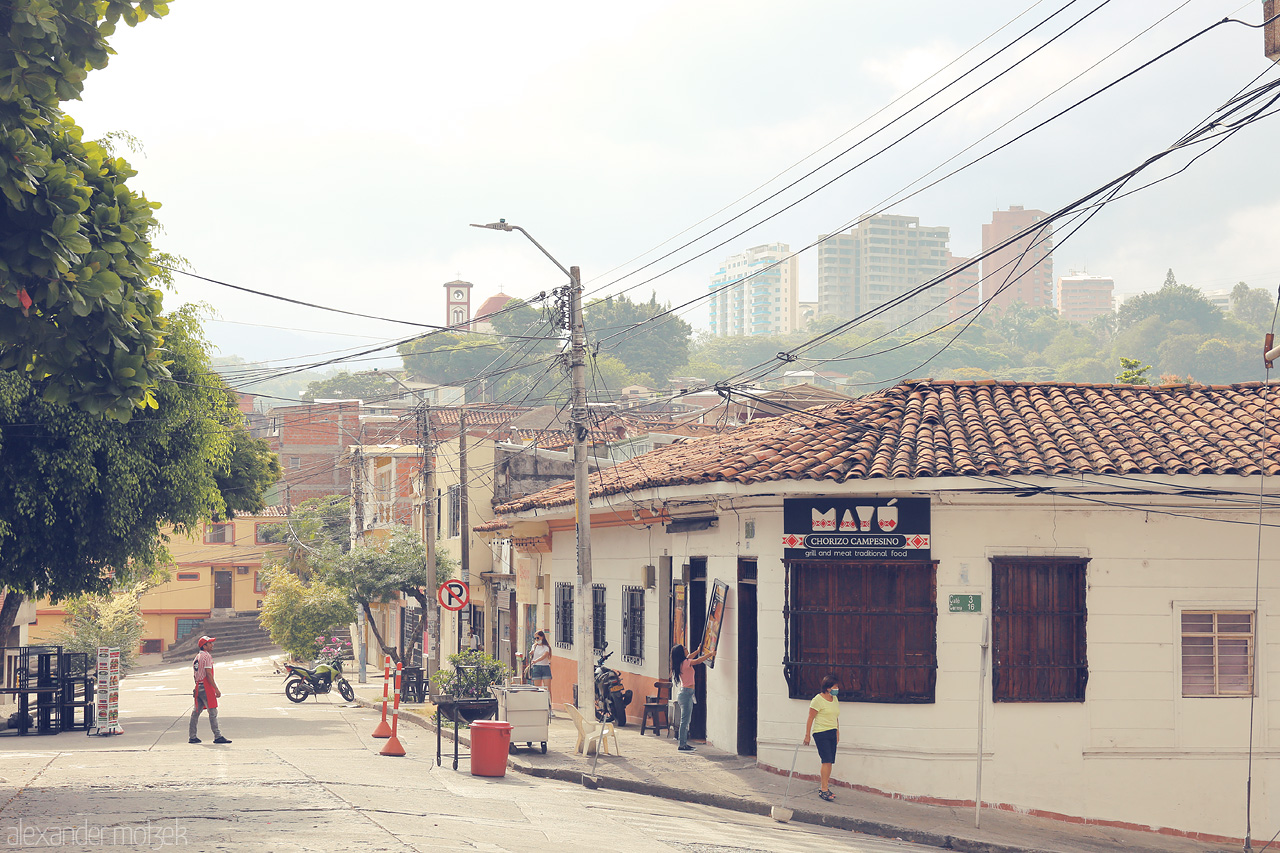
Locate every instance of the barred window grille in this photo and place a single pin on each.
(1038, 615)
(564, 615)
(872, 625)
(1217, 653)
(633, 624)
(598, 638)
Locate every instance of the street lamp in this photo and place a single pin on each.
(581, 423)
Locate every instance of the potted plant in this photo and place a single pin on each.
(464, 689)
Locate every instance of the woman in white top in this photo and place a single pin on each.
(539, 666)
(684, 676)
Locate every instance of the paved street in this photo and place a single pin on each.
(308, 777)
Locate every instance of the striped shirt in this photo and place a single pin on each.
(202, 664)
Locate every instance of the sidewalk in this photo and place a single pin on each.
(651, 765)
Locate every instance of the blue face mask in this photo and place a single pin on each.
(835, 691)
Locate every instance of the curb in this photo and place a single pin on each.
(738, 804)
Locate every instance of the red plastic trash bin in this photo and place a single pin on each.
(490, 741)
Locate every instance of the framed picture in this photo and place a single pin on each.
(715, 620)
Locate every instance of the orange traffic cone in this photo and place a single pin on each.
(384, 730)
(392, 746)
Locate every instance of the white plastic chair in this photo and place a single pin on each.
(600, 736)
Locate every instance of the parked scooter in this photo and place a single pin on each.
(612, 698)
(301, 682)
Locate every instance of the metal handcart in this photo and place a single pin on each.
(528, 709)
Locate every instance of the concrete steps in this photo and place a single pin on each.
(237, 635)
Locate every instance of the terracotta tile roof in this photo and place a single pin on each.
(952, 428)
(278, 511)
(480, 415)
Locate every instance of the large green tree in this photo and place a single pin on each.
(82, 314)
(317, 531)
(453, 358)
(82, 496)
(361, 386)
(1172, 303)
(656, 347)
(379, 570)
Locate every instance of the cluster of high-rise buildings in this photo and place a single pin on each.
(901, 273)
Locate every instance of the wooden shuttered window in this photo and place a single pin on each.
(873, 625)
(1038, 629)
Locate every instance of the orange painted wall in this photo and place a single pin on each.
(564, 674)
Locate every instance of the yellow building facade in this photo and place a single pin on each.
(217, 571)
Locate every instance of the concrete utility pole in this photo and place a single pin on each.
(463, 514)
(580, 418)
(362, 653)
(431, 662)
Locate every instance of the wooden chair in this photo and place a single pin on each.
(655, 709)
(600, 737)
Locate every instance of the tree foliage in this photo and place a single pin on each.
(451, 358)
(317, 531)
(112, 619)
(1175, 330)
(655, 348)
(80, 494)
(1172, 303)
(1133, 372)
(356, 386)
(295, 611)
(77, 272)
(379, 570)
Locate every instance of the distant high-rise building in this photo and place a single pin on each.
(1023, 270)
(1081, 296)
(756, 293)
(882, 258)
(1220, 299)
(963, 291)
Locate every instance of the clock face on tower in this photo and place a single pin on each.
(458, 295)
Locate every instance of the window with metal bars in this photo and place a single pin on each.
(1217, 653)
(598, 638)
(564, 615)
(633, 624)
(872, 625)
(1038, 629)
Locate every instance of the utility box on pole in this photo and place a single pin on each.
(1271, 32)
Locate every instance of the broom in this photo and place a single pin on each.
(781, 813)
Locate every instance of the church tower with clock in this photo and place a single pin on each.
(458, 305)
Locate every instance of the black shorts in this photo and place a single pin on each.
(826, 744)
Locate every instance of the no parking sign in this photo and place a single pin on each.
(453, 595)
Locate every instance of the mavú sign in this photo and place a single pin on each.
(855, 528)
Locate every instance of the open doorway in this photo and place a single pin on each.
(697, 629)
(748, 658)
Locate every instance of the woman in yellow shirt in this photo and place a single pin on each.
(824, 725)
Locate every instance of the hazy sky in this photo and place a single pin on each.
(336, 152)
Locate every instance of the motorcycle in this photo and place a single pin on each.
(301, 682)
(612, 698)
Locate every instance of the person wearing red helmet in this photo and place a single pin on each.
(206, 692)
